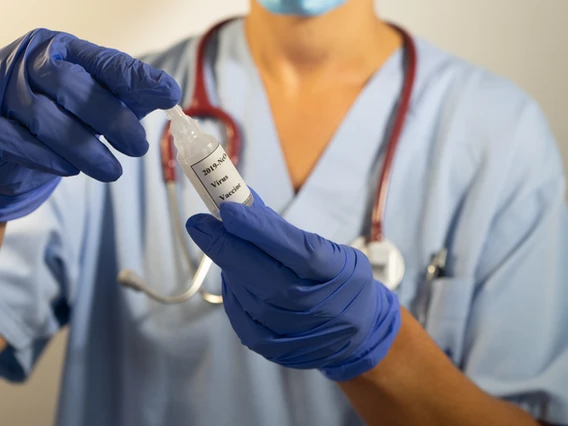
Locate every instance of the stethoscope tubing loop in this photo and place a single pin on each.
(201, 107)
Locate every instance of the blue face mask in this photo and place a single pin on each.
(301, 7)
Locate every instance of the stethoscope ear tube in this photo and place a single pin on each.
(130, 279)
(410, 65)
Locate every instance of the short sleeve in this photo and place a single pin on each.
(516, 344)
(39, 269)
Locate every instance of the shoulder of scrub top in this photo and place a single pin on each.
(465, 87)
(479, 115)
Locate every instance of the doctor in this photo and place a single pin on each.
(306, 336)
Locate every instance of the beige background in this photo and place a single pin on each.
(525, 40)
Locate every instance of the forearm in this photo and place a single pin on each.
(2, 232)
(416, 384)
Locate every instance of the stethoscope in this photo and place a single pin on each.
(386, 259)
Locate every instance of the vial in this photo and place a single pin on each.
(206, 164)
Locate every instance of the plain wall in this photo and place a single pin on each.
(524, 40)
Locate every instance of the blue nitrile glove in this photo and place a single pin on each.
(57, 94)
(295, 298)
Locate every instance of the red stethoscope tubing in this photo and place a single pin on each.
(379, 206)
(201, 107)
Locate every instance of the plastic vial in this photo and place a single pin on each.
(206, 164)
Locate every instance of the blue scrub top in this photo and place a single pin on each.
(477, 171)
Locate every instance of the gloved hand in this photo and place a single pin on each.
(57, 94)
(294, 297)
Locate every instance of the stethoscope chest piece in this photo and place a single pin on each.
(386, 260)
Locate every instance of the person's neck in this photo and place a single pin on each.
(344, 45)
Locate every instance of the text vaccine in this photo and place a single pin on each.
(206, 164)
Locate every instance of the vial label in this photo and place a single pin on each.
(221, 179)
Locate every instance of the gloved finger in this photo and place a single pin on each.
(303, 351)
(14, 207)
(308, 255)
(305, 305)
(77, 92)
(63, 134)
(268, 279)
(20, 147)
(296, 316)
(141, 87)
(17, 180)
(263, 275)
(252, 334)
